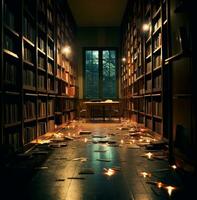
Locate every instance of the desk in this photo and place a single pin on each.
(105, 105)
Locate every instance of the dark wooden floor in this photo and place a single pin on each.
(58, 176)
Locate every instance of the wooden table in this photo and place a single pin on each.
(105, 105)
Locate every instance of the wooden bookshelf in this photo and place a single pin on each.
(145, 52)
(37, 79)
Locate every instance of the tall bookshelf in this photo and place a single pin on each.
(37, 78)
(143, 71)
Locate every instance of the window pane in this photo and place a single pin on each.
(91, 74)
(109, 74)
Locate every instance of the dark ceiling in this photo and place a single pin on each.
(97, 13)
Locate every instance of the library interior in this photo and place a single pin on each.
(98, 100)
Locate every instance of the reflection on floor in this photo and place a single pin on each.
(101, 161)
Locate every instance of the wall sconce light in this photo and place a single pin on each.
(66, 50)
(123, 59)
(145, 27)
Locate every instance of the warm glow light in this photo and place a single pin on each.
(148, 140)
(121, 141)
(174, 167)
(145, 27)
(69, 134)
(170, 189)
(145, 174)
(85, 140)
(133, 141)
(66, 50)
(149, 155)
(123, 59)
(109, 172)
(159, 184)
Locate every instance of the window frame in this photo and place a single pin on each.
(100, 51)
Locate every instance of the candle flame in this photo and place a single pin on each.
(149, 155)
(159, 184)
(121, 141)
(109, 172)
(174, 167)
(85, 140)
(145, 174)
(170, 189)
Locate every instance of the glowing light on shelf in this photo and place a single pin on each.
(121, 141)
(123, 59)
(66, 50)
(174, 167)
(85, 140)
(145, 27)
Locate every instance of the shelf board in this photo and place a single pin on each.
(42, 94)
(41, 51)
(29, 88)
(31, 94)
(12, 124)
(148, 115)
(157, 68)
(156, 95)
(148, 73)
(52, 59)
(157, 89)
(165, 22)
(148, 39)
(157, 49)
(156, 31)
(41, 90)
(29, 120)
(157, 117)
(41, 69)
(41, 118)
(50, 116)
(156, 13)
(58, 113)
(28, 63)
(28, 41)
(141, 113)
(12, 93)
(149, 56)
(11, 30)
(140, 77)
(51, 74)
(50, 38)
(10, 53)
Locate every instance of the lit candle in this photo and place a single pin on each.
(149, 155)
(174, 167)
(159, 184)
(145, 174)
(148, 141)
(68, 133)
(170, 189)
(85, 140)
(121, 141)
(109, 172)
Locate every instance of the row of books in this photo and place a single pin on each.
(157, 41)
(50, 15)
(157, 61)
(29, 134)
(50, 109)
(41, 108)
(29, 110)
(29, 78)
(10, 44)
(29, 31)
(41, 44)
(41, 61)
(50, 51)
(157, 81)
(51, 125)
(12, 138)
(42, 128)
(11, 113)
(157, 108)
(10, 17)
(28, 54)
(10, 73)
(50, 68)
(41, 82)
